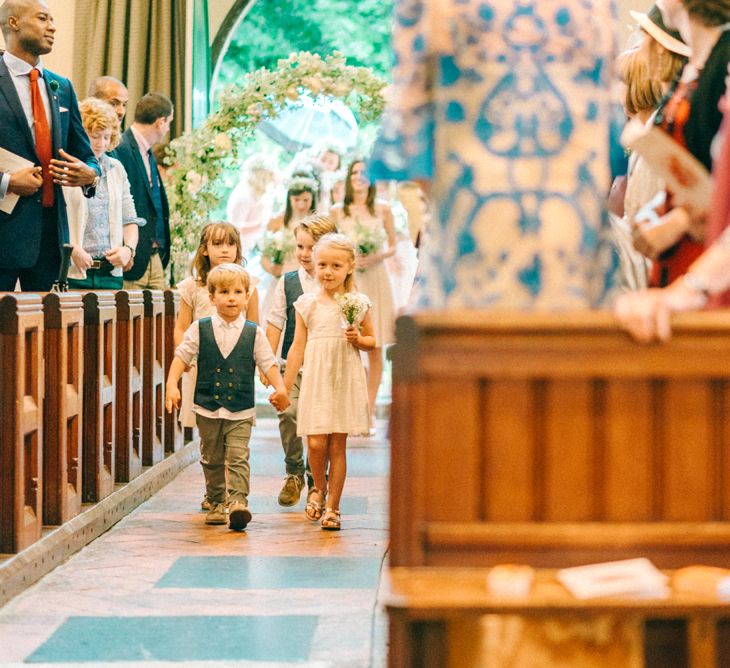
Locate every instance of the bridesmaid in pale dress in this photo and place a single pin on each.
(361, 211)
(301, 201)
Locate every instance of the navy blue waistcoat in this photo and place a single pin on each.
(292, 291)
(226, 382)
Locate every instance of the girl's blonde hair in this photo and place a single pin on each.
(340, 242)
(226, 275)
(214, 231)
(97, 115)
(316, 226)
(664, 65)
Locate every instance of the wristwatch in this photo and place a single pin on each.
(132, 250)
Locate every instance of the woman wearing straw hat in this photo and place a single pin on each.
(674, 238)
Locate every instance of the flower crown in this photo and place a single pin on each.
(303, 183)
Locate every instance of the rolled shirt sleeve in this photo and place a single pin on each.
(262, 353)
(187, 351)
(277, 313)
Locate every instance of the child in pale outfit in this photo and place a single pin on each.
(219, 243)
(333, 399)
(281, 320)
(228, 348)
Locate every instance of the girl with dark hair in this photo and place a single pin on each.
(369, 223)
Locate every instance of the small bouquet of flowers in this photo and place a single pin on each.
(275, 246)
(353, 307)
(368, 239)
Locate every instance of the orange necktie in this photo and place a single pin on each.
(43, 146)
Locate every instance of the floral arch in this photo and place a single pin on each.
(198, 158)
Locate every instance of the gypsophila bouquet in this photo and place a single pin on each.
(368, 240)
(276, 246)
(353, 307)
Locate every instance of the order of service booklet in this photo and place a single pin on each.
(686, 177)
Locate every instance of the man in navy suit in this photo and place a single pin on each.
(39, 121)
(152, 117)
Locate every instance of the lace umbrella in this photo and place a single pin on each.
(307, 122)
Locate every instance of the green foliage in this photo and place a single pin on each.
(273, 29)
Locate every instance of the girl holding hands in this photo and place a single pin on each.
(333, 399)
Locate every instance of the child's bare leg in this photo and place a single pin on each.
(317, 454)
(338, 469)
(375, 373)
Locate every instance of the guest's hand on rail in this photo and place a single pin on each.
(172, 398)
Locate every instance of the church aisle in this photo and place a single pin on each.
(161, 586)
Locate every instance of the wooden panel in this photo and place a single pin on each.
(172, 429)
(63, 317)
(99, 394)
(570, 485)
(21, 417)
(152, 380)
(510, 455)
(629, 473)
(687, 457)
(452, 451)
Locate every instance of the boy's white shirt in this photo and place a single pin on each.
(277, 313)
(226, 336)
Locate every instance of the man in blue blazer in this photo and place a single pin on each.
(39, 121)
(152, 117)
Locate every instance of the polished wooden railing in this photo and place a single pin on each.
(81, 401)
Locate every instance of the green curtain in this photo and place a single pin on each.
(140, 42)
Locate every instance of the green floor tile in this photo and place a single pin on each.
(110, 639)
(272, 573)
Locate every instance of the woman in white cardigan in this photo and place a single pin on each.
(102, 229)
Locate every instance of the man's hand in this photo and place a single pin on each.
(71, 171)
(26, 181)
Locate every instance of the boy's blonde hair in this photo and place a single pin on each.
(227, 274)
(342, 243)
(316, 226)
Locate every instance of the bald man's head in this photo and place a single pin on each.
(27, 27)
(113, 91)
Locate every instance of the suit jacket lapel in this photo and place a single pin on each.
(137, 157)
(7, 88)
(55, 115)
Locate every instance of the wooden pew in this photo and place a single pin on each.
(62, 408)
(153, 380)
(173, 432)
(99, 390)
(128, 410)
(437, 620)
(555, 440)
(21, 416)
(552, 440)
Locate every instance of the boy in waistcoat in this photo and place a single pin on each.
(228, 349)
(281, 319)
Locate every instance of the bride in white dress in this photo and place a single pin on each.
(369, 222)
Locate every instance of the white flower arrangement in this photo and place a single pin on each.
(276, 245)
(353, 307)
(198, 158)
(368, 240)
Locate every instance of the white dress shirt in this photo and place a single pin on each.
(19, 71)
(226, 336)
(144, 150)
